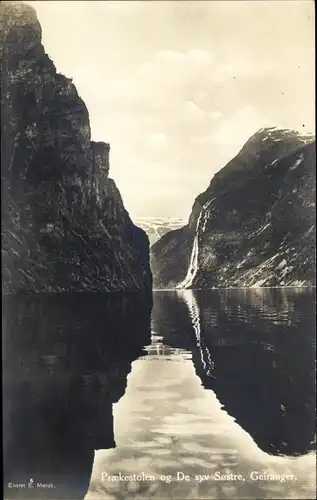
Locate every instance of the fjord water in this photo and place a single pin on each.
(204, 385)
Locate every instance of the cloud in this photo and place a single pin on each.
(157, 140)
(178, 87)
(237, 128)
(192, 112)
(192, 56)
(215, 115)
(170, 56)
(241, 68)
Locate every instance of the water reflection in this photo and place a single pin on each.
(225, 389)
(66, 361)
(223, 382)
(255, 350)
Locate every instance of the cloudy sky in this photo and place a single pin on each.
(178, 87)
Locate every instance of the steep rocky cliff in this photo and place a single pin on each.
(64, 225)
(253, 226)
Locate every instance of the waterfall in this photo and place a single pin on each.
(193, 263)
(194, 313)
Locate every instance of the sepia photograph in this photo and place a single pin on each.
(158, 246)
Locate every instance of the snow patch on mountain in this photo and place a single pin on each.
(156, 227)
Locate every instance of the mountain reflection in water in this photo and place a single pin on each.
(254, 349)
(66, 360)
(225, 383)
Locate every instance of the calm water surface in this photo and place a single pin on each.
(204, 385)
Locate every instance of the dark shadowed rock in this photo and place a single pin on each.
(67, 358)
(253, 226)
(64, 225)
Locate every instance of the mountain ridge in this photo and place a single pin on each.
(156, 227)
(272, 180)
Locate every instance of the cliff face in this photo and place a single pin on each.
(64, 225)
(253, 226)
